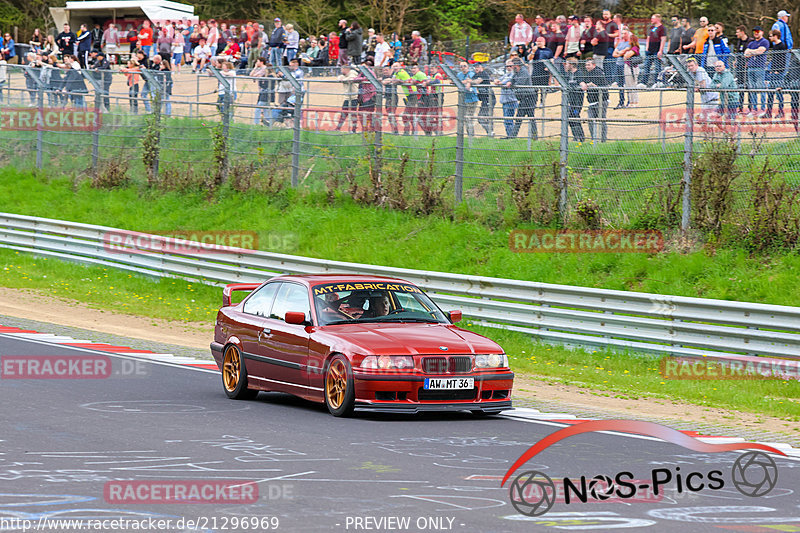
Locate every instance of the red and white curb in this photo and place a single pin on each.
(145, 355)
(524, 414)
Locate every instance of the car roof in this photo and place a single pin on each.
(318, 279)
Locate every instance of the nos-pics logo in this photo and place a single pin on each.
(533, 493)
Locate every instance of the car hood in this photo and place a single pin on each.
(411, 339)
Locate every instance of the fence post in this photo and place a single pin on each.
(98, 97)
(40, 103)
(377, 146)
(563, 150)
(298, 110)
(459, 171)
(688, 142)
(225, 111)
(154, 83)
(39, 129)
(796, 54)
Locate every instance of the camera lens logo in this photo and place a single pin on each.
(754, 474)
(532, 493)
(601, 487)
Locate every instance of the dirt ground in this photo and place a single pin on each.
(37, 305)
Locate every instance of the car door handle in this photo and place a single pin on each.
(266, 332)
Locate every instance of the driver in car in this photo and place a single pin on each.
(378, 306)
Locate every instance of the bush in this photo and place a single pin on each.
(588, 212)
(713, 173)
(111, 174)
(535, 192)
(773, 221)
(247, 177)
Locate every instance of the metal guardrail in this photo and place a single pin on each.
(579, 316)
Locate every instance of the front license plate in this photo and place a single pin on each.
(449, 383)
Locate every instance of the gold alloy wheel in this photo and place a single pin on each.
(230, 368)
(336, 383)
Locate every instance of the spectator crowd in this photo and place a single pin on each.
(592, 58)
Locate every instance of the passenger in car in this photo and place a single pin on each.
(378, 306)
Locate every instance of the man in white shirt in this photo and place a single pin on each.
(382, 51)
(202, 54)
(521, 32)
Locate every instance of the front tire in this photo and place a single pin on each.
(234, 375)
(339, 387)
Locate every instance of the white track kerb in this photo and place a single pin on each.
(557, 314)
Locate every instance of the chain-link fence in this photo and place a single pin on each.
(547, 139)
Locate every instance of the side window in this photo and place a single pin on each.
(260, 302)
(291, 297)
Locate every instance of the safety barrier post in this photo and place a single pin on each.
(154, 83)
(298, 111)
(459, 172)
(563, 150)
(688, 141)
(377, 145)
(98, 101)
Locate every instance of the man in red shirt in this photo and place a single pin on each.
(146, 38)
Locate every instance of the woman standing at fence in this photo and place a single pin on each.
(132, 74)
(632, 61)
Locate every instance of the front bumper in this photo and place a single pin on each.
(405, 392)
(488, 407)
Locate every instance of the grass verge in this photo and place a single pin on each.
(307, 225)
(615, 374)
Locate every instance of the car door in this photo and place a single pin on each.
(287, 344)
(254, 319)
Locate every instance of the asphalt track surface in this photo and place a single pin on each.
(64, 440)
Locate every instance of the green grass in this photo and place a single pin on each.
(612, 374)
(622, 177)
(306, 225)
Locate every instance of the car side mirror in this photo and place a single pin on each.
(295, 317)
(455, 316)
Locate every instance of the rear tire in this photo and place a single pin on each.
(234, 375)
(340, 391)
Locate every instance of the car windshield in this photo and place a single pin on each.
(353, 303)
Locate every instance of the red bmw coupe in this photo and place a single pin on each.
(356, 342)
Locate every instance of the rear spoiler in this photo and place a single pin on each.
(226, 292)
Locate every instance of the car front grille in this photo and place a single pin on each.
(457, 364)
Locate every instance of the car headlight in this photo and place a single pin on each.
(491, 360)
(388, 362)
